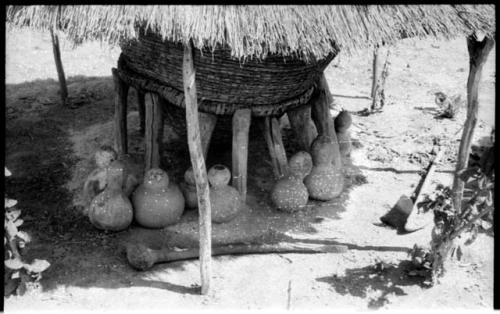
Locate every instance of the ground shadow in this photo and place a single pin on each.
(40, 156)
(376, 282)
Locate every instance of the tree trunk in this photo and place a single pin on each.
(478, 53)
(199, 168)
(59, 67)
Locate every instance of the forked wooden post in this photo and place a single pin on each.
(154, 131)
(207, 125)
(59, 66)
(141, 101)
(272, 134)
(241, 126)
(320, 112)
(121, 94)
(301, 123)
(478, 53)
(199, 168)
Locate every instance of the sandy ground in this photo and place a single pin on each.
(49, 151)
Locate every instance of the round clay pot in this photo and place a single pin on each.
(157, 202)
(343, 121)
(219, 175)
(189, 189)
(111, 210)
(225, 200)
(325, 182)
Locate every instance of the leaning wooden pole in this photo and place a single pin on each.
(199, 169)
(59, 67)
(478, 53)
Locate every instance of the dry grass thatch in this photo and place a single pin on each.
(256, 31)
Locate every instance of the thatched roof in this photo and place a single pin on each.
(258, 30)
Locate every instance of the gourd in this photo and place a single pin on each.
(111, 209)
(342, 124)
(290, 194)
(158, 202)
(225, 200)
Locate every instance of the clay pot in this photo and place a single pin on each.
(225, 200)
(111, 210)
(343, 121)
(342, 124)
(189, 189)
(290, 194)
(325, 182)
(157, 201)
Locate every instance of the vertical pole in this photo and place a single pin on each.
(375, 74)
(301, 123)
(199, 168)
(478, 53)
(272, 135)
(241, 126)
(59, 66)
(154, 132)
(121, 93)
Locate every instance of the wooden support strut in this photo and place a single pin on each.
(154, 132)
(478, 53)
(272, 134)
(121, 94)
(320, 112)
(301, 123)
(141, 100)
(241, 126)
(207, 125)
(199, 168)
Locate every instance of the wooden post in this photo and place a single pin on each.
(301, 123)
(375, 72)
(141, 100)
(207, 125)
(154, 132)
(199, 168)
(478, 53)
(59, 66)
(320, 112)
(241, 126)
(379, 76)
(121, 94)
(272, 134)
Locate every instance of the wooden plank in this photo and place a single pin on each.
(141, 98)
(241, 127)
(199, 168)
(303, 127)
(59, 67)
(320, 112)
(154, 132)
(207, 125)
(272, 134)
(121, 94)
(478, 54)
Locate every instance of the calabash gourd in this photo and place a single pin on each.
(225, 200)
(158, 202)
(342, 124)
(290, 194)
(325, 182)
(111, 209)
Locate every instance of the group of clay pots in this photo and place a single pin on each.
(314, 175)
(157, 202)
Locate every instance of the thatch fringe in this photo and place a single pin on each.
(256, 31)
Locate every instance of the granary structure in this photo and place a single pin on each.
(228, 67)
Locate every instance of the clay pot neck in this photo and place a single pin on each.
(156, 179)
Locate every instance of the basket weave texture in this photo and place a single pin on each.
(221, 78)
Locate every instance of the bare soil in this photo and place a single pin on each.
(49, 150)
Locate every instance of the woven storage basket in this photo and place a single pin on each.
(221, 79)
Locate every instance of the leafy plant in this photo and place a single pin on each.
(451, 225)
(18, 274)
